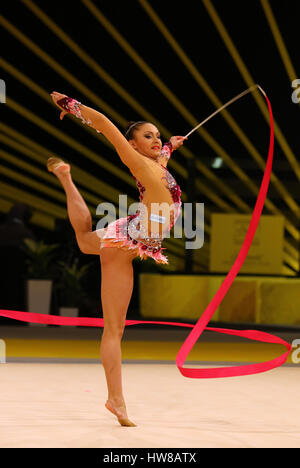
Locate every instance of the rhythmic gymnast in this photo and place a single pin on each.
(138, 235)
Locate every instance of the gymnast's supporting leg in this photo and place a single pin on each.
(116, 291)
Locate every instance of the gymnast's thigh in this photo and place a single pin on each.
(116, 255)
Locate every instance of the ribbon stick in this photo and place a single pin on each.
(239, 96)
(198, 328)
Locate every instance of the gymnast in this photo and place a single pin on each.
(138, 235)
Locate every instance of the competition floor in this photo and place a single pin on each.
(53, 391)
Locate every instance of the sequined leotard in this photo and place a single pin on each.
(145, 230)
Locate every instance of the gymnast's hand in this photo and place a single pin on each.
(56, 96)
(177, 141)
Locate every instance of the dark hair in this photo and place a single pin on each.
(131, 127)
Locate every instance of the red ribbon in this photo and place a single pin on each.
(198, 328)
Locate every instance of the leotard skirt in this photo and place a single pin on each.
(117, 235)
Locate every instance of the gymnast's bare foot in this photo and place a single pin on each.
(58, 167)
(118, 408)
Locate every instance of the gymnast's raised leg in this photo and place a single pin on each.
(79, 215)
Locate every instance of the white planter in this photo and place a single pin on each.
(39, 298)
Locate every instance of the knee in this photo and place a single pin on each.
(81, 242)
(84, 244)
(114, 331)
(84, 248)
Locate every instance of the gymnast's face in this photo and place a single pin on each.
(147, 141)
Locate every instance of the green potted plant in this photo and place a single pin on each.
(70, 288)
(40, 275)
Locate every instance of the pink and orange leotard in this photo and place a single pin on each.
(158, 211)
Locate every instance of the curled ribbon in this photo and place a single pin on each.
(198, 328)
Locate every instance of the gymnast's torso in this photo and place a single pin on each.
(158, 209)
(159, 198)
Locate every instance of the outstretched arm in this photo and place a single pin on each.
(131, 158)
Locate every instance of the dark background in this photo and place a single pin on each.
(192, 27)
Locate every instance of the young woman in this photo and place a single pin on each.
(140, 234)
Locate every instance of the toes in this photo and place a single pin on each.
(126, 422)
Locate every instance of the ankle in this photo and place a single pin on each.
(63, 175)
(117, 400)
(65, 179)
